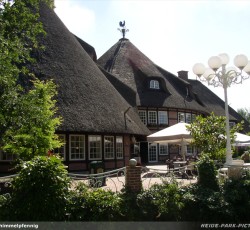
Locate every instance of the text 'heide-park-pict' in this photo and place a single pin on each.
(115, 141)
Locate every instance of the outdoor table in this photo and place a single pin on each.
(178, 164)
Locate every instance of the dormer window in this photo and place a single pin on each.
(154, 84)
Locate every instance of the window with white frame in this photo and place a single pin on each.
(190, 150)
(185, 117)
(163, 149)
(188, 118)
(95, 148)
(119, 147)
(181, 117)
(163, 117)
(143, 116)
(61, 151)
(109, 147)
(77, 147)
(152, 152)
(154, 84)
(152, 118)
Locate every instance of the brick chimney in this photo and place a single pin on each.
(183, 75)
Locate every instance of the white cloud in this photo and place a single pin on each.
(78, 19)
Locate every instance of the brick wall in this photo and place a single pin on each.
(133, 178)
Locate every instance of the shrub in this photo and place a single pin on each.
(237, 196)
(129, 208)
(207, 173)
(203, 204)
(93, 205)
(161, 202)
(40, 191)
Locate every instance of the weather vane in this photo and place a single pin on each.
(123, 30)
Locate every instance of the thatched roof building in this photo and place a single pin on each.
(86, 99)
(98, 123)
(162, 98)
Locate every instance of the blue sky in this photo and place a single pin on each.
(173, 34)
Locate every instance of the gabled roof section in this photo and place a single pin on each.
(88, 48)
(131, 67)
(86, 99)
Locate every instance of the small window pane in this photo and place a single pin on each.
(154, 84)
(143, 116)
(152, 119)
(181, 117)
(163, 149)
(109, 147)
(95, 152)
(119, 147)
(77, 147)
(163, 117)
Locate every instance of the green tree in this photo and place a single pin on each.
(27, 116)
(40, 192)
(245, 113)
(209, 135)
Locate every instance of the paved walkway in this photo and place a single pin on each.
(155, 175)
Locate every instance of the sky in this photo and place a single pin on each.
(174, 34)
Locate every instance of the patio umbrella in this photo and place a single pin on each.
(177, 134)
(242, 139)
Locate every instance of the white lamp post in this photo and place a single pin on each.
(219, 75)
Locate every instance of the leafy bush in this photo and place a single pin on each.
(93, 205)
(203, 204)
(161, 202)
(237, 196)
(207, 173)
(40, 191)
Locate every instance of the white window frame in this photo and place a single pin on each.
(119, 147)
(162, 116)
(62, 150)
(95, 147)
(77, 147)
(109, 147)
(143, 116)
(154, 84)
(155, 118)
(188, 118)
(152, 152)
(181, 117)
(165, 152)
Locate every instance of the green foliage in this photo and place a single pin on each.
(27, 117)
(129, 207)
(203, 204)
(33, 133)
(94, 205)
(237, 196)
(207, 173)
(245, 113)
(40, 192)
(209, 135)
(161, 202)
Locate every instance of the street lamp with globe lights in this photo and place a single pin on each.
(220, 75)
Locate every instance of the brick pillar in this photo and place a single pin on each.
(133, 178)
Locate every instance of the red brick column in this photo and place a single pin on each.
(133, 178)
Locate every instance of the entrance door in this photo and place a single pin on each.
(152, 153)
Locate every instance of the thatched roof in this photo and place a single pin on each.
(132, 68)
(88, 48)
(130, 71)
(86, 99)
